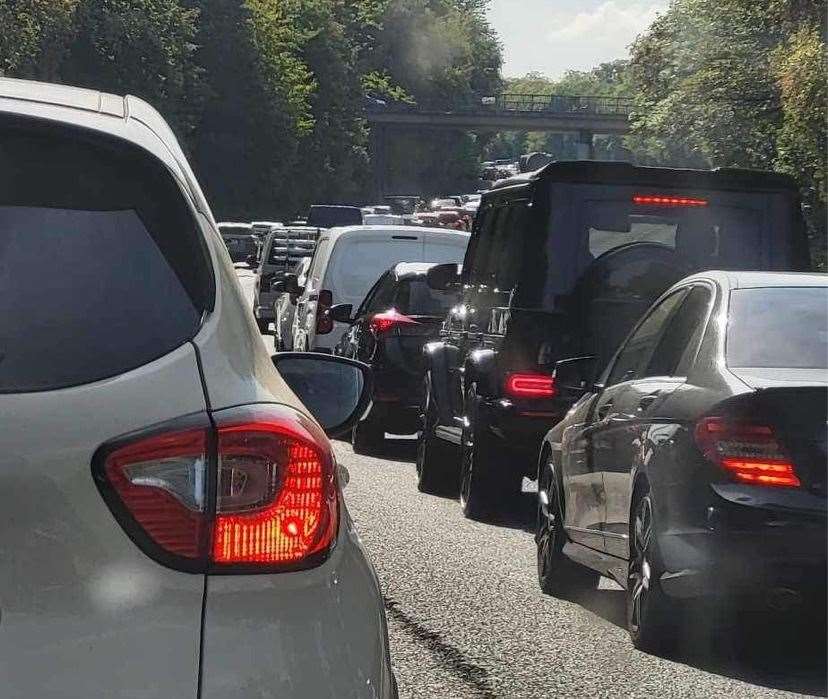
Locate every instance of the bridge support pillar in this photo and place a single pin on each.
(378, 155)
(586, 145)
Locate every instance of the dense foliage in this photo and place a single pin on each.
(269, 95)
(736, 82)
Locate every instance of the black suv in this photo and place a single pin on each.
(562, 263)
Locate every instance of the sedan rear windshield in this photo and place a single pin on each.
(415, 298)
(779, 327)
(101, 264)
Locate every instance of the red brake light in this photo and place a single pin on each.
(275, 505)
(666, 200)
(749, 452)
(383, 323)
(324, 322)
(276, 496)
(530, 385)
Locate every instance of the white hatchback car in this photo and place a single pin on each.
(172, 518)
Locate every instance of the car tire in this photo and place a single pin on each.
(653, 619)
(367, 437)
(437, 460)
(487, 486)
(558, 576)
(264, 325)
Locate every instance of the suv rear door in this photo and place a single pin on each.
(104, 279)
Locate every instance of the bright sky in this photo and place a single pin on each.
(553, 36)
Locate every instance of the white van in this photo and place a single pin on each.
(349, 260)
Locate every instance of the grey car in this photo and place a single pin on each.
(173, 522)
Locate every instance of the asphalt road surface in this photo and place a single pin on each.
(467, 619)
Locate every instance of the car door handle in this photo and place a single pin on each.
(603, 410)
(648, 400)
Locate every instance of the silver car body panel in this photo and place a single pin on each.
(80, 604)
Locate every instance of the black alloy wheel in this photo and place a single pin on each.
(653, 621)
(557, 575)
(367, 437)
(437, 469)
(487, 485)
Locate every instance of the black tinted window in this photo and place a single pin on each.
(101, 266)
(778, 327)
(638, 350)
(414, 297)
(681, 335)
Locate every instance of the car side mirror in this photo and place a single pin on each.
(341, 312)
(252, 260)
(443, 277)
(291, 283)
(575, 376)
(278, 287)
(335, 390)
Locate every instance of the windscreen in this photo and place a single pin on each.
(332, 216)
(415, 298)
(359, 263)
(100, 263)
(779, 327)
(592, 227)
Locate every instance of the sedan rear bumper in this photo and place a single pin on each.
(746, 551)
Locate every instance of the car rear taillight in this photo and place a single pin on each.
(324, 322)
(667, 200)
(748, 452)
(256, 492)
(526, 385)
(386, 322)
(160, 481)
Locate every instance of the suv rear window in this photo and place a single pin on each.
(778, 327)
(101, 264)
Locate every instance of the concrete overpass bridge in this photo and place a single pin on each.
(586, 116)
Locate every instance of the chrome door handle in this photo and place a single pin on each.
(647, 400)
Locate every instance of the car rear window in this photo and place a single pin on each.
(415, 298)
(779, 327)
(359, 263)
(101, 265)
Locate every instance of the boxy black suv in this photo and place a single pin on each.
(562, 263)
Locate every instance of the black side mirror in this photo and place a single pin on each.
(252, 260)
(341, 312)
(335, 390)
(443, 277)
(575, 376)
(278, 287)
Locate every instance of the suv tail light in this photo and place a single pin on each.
(530, 385)
(324, 322)
(255, 493)
(384, 323)
(749, 452)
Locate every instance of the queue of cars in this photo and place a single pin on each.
(673, 417)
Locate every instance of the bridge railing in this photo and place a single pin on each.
(520, 104)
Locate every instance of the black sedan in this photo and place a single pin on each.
(695, 467)
(388, 331)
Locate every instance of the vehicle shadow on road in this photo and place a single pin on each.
(773, 650)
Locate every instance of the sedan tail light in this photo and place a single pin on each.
(748, 452)
(383, 324)
(256, 492)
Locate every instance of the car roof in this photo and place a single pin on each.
(348, 231)
(411, 270)
(124, 117)
(754, 280)
(234, 224)
(597, 172)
